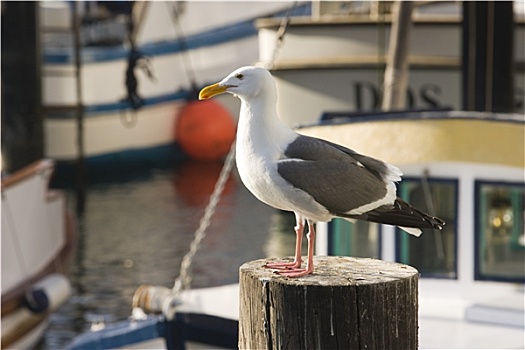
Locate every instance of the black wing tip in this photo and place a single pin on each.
(400, 214)
(435, 222)
(431, 221)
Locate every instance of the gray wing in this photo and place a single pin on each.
(311, 148)
(338, 178)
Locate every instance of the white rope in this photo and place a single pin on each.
(183, 281)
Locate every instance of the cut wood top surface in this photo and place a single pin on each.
(335, 270)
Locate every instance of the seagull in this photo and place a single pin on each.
(316, 179)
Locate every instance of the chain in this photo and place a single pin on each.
(184, 280)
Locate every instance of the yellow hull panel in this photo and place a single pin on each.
(431, 140)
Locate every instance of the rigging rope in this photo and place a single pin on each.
(281, 32)
(175, 13)
(136, 59)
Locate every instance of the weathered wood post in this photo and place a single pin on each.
(348, 303)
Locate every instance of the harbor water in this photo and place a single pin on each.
(136, 229)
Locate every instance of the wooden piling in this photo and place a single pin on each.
(347, 303)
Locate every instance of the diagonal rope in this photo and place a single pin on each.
(183, 281)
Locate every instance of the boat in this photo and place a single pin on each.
(467, 168)
(196, 323)
(351, 50)
(35, 253)
(464, 166)
(129, 87)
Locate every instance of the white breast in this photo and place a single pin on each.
(261, 141)
(259, 174)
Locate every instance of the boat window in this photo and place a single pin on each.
(359, 239)
(434, 253)
(500, 236)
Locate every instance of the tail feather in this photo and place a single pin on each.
(412, 230)
(401, 214)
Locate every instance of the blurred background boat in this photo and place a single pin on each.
(467, 168)
(37, 242)
(139, 64)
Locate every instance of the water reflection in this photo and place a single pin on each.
(195, 181)
(136, 231)
(281, 240)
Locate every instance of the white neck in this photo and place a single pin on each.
(260, 129)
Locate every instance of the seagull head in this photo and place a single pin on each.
(245, 82)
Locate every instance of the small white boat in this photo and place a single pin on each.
(35, 253)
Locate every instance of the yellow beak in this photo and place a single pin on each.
(212, 90)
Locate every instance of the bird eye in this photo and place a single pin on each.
(239, 76)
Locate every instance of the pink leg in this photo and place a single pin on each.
(299, 229)
(298, 272)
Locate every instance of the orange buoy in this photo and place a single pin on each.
(205, 130)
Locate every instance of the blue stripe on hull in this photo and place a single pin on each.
(121, 166)
(232, 32)
(123, 106)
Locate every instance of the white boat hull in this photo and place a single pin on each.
(110, 132)
(207, 41)
(337, 64)
(35, 254)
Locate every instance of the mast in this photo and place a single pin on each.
(79, 109)
(396, 72)
(22, 126)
